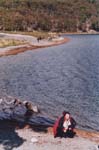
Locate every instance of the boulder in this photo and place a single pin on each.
(12, 108)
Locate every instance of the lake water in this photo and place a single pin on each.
(58, 78)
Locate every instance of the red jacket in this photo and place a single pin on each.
(59, 124)
(56, 126)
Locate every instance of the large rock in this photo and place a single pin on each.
(16, 109)
(24, 112)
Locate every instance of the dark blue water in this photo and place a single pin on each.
(58, 78)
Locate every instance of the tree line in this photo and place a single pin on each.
(49, 15)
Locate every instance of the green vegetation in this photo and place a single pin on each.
(10, 42)
(49, 15)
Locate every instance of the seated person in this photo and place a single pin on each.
(64, 126)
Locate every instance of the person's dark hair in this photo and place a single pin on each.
(65, 112)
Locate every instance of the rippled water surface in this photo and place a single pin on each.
(58, 78)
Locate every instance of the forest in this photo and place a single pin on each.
(49, 15)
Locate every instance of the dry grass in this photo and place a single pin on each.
(10, 42)
(37, 34)
(34, 33)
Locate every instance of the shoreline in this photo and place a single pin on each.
(79, 33)
(19, 132)
(14, 50)
(91, 135)
(25, 136)
(13, 114)
(33, 45)
(19, 135)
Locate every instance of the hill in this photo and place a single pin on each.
(49, 15)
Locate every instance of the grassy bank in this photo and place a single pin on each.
(10, 42)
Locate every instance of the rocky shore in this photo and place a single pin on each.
(23, 127)
(14, 136)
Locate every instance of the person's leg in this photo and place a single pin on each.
(64, 134)
(70, 133)
(59, 133)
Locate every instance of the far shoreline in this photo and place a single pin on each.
(79, 33)
(19, 49)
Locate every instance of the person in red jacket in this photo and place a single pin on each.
(64, 126)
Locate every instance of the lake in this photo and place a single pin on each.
(64, 77)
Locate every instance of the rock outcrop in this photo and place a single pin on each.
(15, 109)
(22, 112)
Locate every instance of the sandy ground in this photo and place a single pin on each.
(31, 43)
(13, 137)
(42, 141)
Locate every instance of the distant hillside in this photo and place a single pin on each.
(49, 15)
